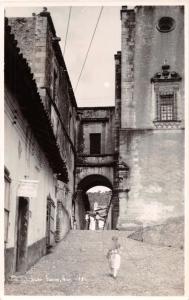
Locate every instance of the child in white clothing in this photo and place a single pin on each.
(114, 257)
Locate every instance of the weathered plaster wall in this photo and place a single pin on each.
(25, 160)
(156, 162)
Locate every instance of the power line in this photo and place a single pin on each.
(67, 29)
(88, 48)
(95, 98)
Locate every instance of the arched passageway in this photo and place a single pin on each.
(90, 208)
(94, 180)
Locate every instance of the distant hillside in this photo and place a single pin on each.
(101, 198)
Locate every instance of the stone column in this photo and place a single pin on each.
(115, 209)
(123, 190)
(117, 99)
(80, 209)
(125, 220)
(120, 194)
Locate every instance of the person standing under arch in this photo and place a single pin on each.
(87, 221)
(92, 224)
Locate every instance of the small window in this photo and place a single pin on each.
(166, 108)
(166, 24)
(95, 143)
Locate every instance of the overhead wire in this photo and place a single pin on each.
(87, 53)
(67, 29)
(94, 98)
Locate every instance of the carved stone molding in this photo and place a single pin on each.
(166, 75)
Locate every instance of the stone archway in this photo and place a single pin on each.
(82, 204)
(94, 180)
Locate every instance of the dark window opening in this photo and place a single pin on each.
(166, 24)
(95, 143)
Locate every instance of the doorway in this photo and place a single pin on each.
(22, 234)
(50, 219)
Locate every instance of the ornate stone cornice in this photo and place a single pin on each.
(166, 75)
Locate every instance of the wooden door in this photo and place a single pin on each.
(22, 234)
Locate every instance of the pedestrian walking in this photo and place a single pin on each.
(87, 221)
(101, 223)
(114, 257)
(92, 224)
(74, 224)
(97, 221)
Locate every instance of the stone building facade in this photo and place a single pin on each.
(150, 100)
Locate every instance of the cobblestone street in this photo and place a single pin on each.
(78, 266)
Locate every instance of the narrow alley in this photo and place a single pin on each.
(78, 266)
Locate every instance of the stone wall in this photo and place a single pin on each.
(153, 151)
(96, 120)
(30, 34)
(144, 51)
(156, 162)
(94, 169)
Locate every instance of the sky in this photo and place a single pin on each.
(98, 188)
(97, 84)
